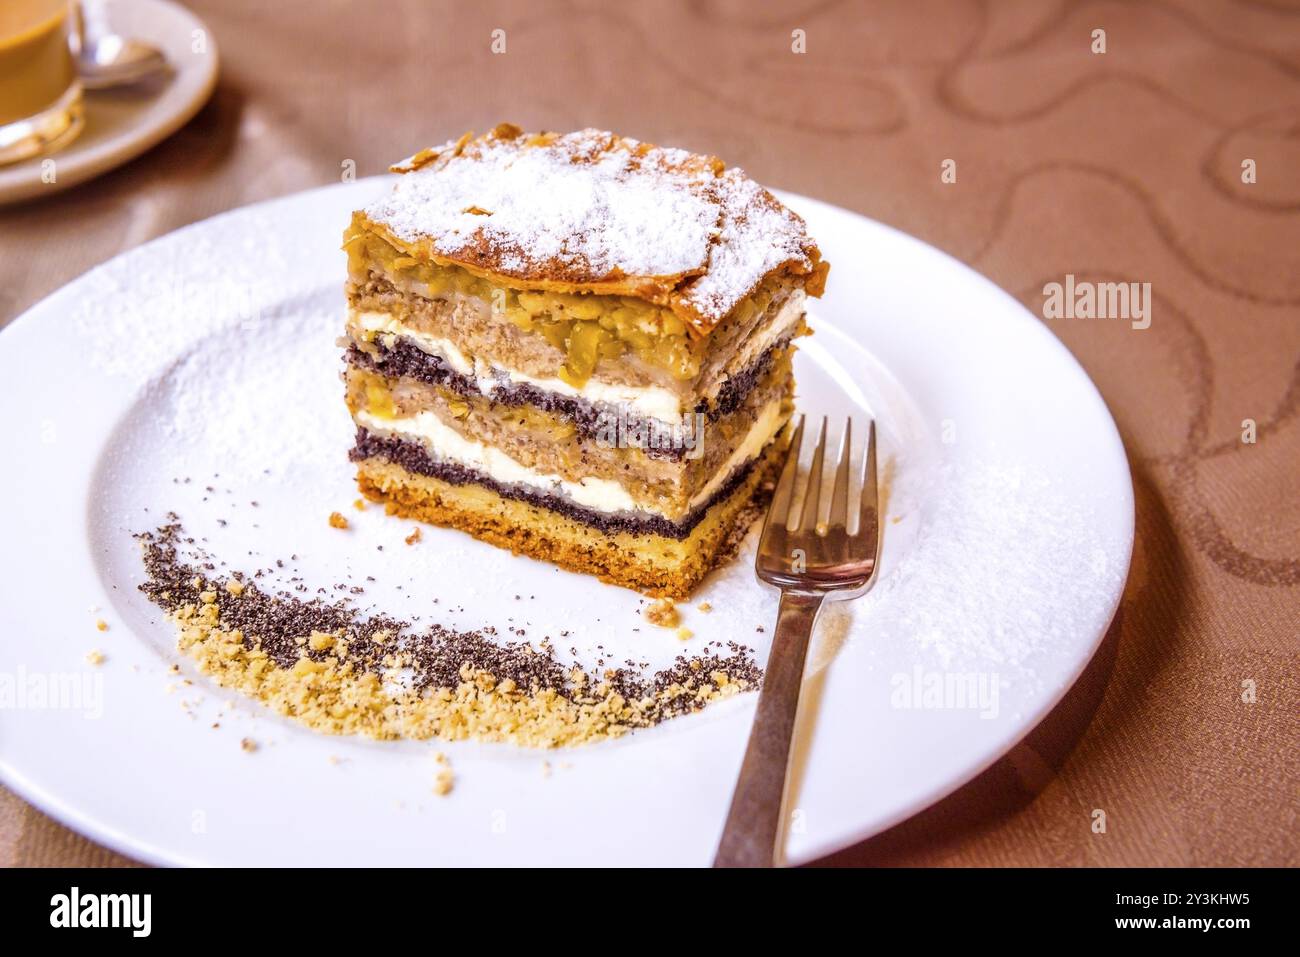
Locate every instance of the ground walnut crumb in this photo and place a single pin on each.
(101, 625)
(663, 613)
(414, 537)
(333, 692)
(321, 641)
(443, 782)
(248, 744)
(705, 607)
(337, 520)
(338, 672)
(95, 657)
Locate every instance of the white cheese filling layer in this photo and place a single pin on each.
(602, 495)
(651, 401)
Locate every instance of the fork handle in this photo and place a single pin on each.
(755, 829)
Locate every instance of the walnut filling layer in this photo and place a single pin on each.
(619, 493)
(468, 330)
(397, 357)
(583, 330)
(553, 444)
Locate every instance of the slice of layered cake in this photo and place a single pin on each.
(577, 347)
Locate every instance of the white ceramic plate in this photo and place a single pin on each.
(211, 351)
(123, 123)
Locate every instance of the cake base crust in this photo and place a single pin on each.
(656, 565)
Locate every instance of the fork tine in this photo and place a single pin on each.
(839, 515)
(869, 514)
(779, 511)
(812, 497)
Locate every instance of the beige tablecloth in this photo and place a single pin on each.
(1122, 165)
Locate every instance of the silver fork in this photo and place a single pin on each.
(810, 564)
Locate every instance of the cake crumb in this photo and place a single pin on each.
(95, 657)
(248, 744)
(546, 769)
(101, 625)
(359, 505)
(235, 587)
(685, 634)
(414, 537)
(337, 520)
(663, 613)
(321, 641)
(705, 607)
(444, 782)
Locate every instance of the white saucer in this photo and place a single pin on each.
(211, 352)
(121, 124)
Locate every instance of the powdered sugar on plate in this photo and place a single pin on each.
(148, 307)
(958, 608)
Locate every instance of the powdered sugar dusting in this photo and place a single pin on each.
(590, 206)
(585, 208)
(758, 235)
(1006, 612)
(140, 311)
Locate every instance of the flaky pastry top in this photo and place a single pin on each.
(595, 212)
